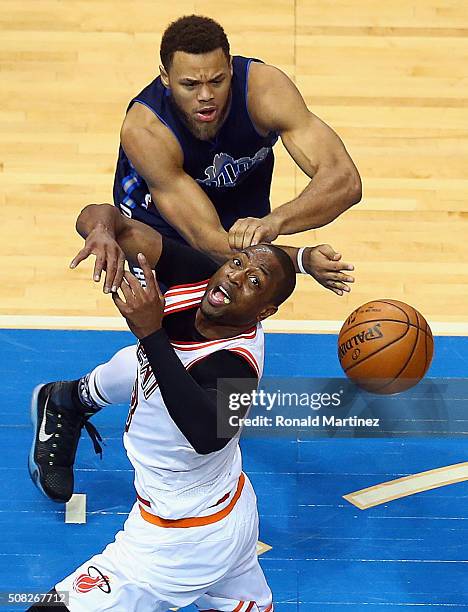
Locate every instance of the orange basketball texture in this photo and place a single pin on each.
(385, 346)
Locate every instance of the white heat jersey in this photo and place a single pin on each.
(172, 480)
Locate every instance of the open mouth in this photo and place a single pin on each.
(219, 296)
(207, 114)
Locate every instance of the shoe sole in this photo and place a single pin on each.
(32, 465)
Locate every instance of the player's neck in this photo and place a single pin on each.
(214, 331)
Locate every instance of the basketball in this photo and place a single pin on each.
(385, 346)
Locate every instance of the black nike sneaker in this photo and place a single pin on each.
(57, 417)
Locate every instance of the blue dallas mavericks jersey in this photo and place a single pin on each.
(234, 169)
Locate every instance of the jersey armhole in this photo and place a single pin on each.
(248, 357)
(272, 135)
(161, 120)
(246, 93)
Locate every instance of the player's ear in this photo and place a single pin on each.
(164, 77)
(230, 66)
(267, 312)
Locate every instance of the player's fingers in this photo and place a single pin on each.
(332, 287)
(231, 238)
(151, 284)
(133, 284)
(249, 235)
(238, 237)
(347, 266)
(239, 232)
(333, 266)
(329, 251)
(233, 233)
(339, 286)
(120, 304)
(80, 256)
(259, 236)
(111, 269)
(98, 268)
(119, 273)
(340, 277)
(341, 265)
(131, 289)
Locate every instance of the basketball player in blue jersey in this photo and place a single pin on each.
(196, 163)
(196, 157)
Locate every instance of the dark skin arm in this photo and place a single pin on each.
(113, 238)
(145, 139)
(276, 105)
(101, 224)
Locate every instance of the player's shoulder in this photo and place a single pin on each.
(143, 131)
(271, 95)
(264, 78)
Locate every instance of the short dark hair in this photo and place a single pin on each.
(192, 34)
(287, 283)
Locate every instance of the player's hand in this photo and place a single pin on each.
(143, 308)
(325, 265)
(251, 230)
(109, 258)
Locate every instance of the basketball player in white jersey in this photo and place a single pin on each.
(191, 535)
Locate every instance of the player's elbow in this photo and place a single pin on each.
(352, 185)
(86, 217)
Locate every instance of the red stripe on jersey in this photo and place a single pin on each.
(190, 346)
(144, 501)
(177, 288)
(192, 295)
(251, 605)
(193, 301)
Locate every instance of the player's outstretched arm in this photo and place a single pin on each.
(276, 105)
(158, 158)
(113, 238)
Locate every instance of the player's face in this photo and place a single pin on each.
(200, 87)
(241, 291)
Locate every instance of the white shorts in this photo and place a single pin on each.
(151, 569)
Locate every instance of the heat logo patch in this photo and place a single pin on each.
(92, 580)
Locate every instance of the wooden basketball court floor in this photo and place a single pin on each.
(392, 80)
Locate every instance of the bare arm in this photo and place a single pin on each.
(275, 104)
(112, 238)
(157, 157)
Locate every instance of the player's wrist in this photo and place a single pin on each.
(301, 260)
(149, 333)
(102, 228)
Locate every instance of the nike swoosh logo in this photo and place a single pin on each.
(43, 436)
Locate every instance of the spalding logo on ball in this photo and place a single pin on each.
(385, 346)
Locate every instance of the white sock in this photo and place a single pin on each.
(111, 382)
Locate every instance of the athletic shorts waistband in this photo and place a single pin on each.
(196, 521)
